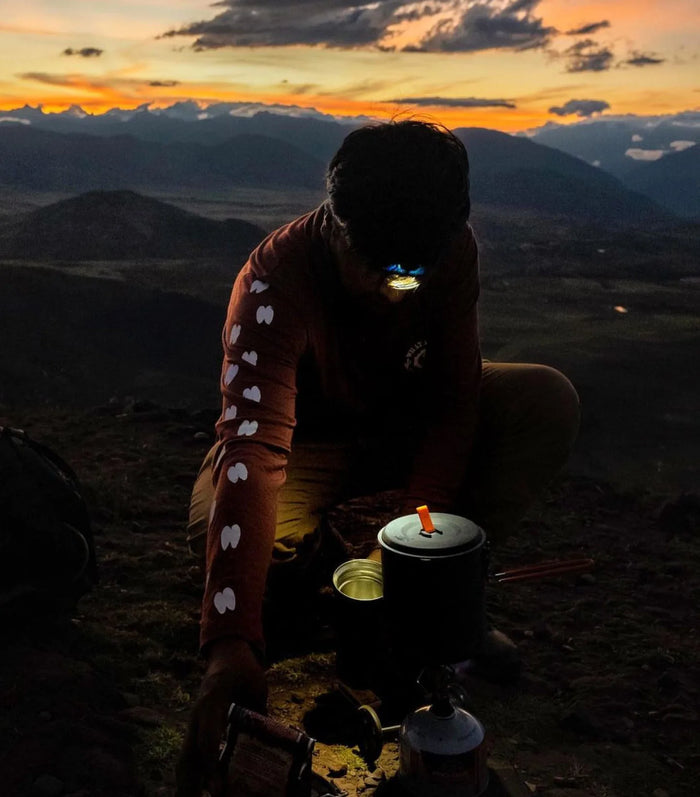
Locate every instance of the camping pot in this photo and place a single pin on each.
(434, 583)
(443, 752)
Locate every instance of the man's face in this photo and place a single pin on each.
(360, 281)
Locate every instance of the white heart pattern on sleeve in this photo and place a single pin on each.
(248, 428)
(250, 357)
(230, 536)
(235, 332)
(265, 314)
(225, 600)
(252, 394)
(236, 472)
(259, 286)
(230, 374)
(230, 412)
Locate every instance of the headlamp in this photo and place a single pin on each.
(401, 278)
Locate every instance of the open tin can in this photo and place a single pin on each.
(359, 605)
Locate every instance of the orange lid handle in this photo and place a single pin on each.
(425, 519)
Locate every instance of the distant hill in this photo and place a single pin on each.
(515, 172)
(672, 181)
(118, 225)
(79, 340)
(44, 160)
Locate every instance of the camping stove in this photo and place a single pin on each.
(443, 748)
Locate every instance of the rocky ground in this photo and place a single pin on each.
(607, 705)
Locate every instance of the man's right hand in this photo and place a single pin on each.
(234, 675)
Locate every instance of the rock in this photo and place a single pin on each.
(140, 715)
(566, 782)
(668, 681)
(542, 631)
(676, 568)
(580, 722)
(47, 786)
(375, 777)
(660, 793)
(587, 578)
(200, 436)
(96, 766)
(660, 659)
(338, 771)
(131, 699)
(567, 792)
(681, 517)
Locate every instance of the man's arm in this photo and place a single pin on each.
(263, 339)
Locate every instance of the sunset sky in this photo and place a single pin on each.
(504, 64)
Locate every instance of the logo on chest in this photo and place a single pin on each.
(415, 356)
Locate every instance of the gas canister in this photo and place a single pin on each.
(443, 752)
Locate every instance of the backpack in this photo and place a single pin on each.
(47, 551)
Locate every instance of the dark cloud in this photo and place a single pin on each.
(261, 23)
(580, 108)
(465, 26)
(415, 12)
(588, 56)
(586, 30)
(45, 77)
(484, 26)
(164, 83)
(454, 102)
(85, 52)
(643, 59)
(300, 88)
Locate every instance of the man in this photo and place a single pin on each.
(354, 329)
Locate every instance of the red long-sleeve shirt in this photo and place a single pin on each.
(299, 351)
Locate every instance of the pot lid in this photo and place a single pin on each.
(412, 534)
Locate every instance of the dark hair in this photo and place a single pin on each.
(399, 191)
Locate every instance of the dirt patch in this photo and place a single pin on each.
(607, 706)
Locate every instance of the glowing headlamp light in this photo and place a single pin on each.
(401, 278)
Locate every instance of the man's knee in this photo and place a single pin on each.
(529, 399)
(559, 401)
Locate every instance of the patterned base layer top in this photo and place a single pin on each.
(302, 355)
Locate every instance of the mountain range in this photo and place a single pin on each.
(657, 156)
(621, 144)
(44, 160)
(640, 151)
(507, 171)
(673, 181)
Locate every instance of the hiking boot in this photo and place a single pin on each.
(497, 660)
